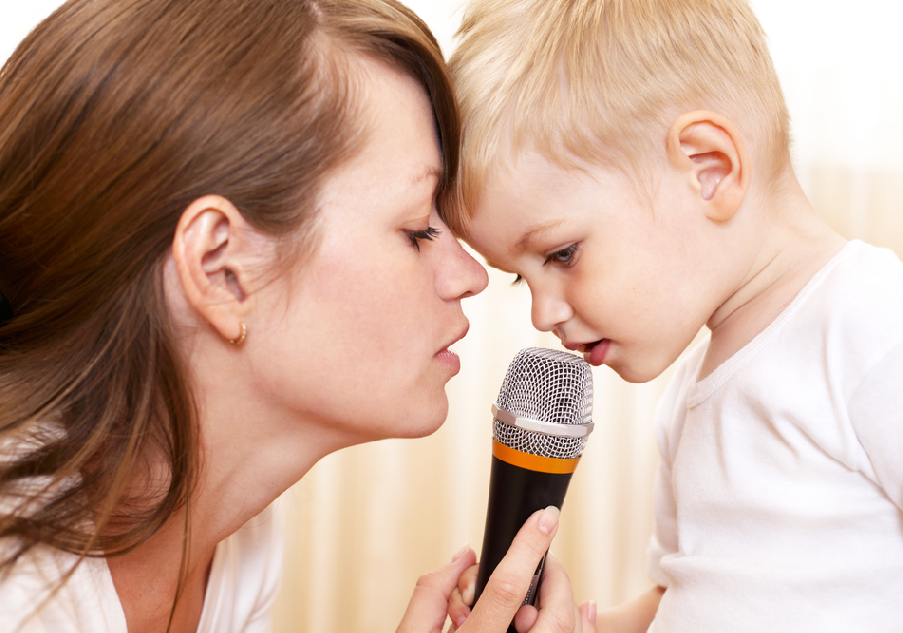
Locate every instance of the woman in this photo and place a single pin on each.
(221, 259)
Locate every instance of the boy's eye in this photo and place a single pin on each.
(562, 256)
(426, 234)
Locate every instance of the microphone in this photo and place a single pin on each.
(541, 422)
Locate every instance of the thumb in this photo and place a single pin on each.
(508, 584)
(428, 607)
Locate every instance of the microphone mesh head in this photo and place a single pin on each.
(549, 386)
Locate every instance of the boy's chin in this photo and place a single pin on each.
(639, 372)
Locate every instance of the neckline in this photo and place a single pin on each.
(705, 388)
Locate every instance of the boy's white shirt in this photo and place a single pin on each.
(779, 496)
(242, 587)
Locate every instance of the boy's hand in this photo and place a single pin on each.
(631, 617)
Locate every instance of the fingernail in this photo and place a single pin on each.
(460, 621)
(461, 552)
(467, 595)
(592, 612)
(548, 520)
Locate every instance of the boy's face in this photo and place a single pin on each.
(627, 285)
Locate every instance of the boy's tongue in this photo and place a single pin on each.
(594, 354)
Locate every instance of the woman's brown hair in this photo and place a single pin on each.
(114, 116)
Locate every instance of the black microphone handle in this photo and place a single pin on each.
(515, 493)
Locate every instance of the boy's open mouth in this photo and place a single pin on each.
(594, 353)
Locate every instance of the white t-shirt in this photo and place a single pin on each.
(779, 495)
(243, 583)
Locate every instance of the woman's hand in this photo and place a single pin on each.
(440, 591)
(554, 593)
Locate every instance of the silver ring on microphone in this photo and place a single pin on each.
(544, 428)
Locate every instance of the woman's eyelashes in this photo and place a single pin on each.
(563, 256)
(426, 234)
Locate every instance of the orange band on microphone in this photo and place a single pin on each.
(533, 462)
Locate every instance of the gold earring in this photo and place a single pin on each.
(240, 339)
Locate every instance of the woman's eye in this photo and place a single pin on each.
(518, 280)
(426, 234)
(563, 256)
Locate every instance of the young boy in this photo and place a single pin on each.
(629, 160)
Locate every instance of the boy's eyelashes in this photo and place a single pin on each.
(563, 256)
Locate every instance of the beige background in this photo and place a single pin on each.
(365, 523)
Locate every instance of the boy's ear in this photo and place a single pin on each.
(208, 249)
(708, 148)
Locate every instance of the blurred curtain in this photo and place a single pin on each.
(365, 523)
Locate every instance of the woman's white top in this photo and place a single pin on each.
(243, 583)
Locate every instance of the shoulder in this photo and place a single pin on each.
(854, 312)
(865, 282)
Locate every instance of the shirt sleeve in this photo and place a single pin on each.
(876, 414)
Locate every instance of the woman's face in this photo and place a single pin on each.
(357, 339)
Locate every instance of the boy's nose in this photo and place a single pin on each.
(548, 311)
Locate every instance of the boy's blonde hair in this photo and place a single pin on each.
(601, 81)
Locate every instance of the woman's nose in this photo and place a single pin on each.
(459, 275)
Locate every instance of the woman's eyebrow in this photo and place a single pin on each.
(427, 172)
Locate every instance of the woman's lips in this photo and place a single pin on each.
(447, 355)
(449, 359)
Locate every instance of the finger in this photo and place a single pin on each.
(508, 584)
(558, 612)
(588, 615)
(428, 607)
(457, 609)
(526, 618)
(467, 584)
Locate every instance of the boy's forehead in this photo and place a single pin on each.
(487, 239)
(536, 204)
(523, 194)
(515, 210)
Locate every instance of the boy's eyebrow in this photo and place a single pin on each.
(529, 235)
(535, 231)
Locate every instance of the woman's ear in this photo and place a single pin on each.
(209, 248)
(708, 148)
